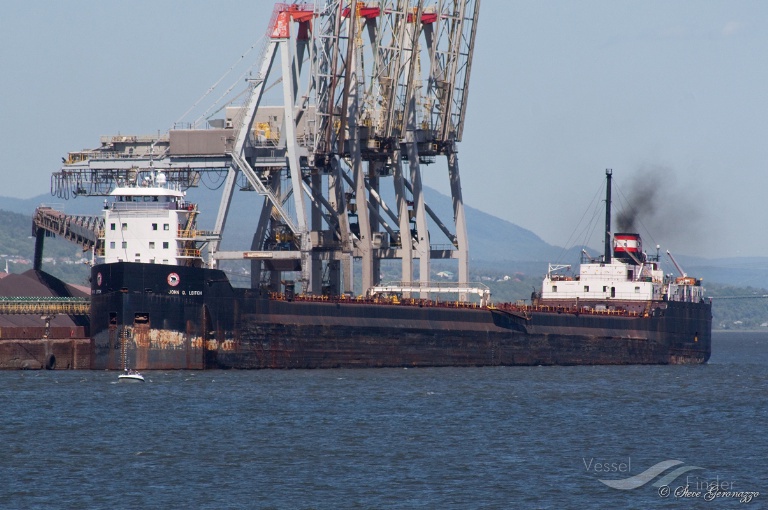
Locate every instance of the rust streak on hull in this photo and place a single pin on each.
(242, 329)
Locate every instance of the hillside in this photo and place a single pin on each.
(493, 241)
(490, 238)
(509, 259)
(17, 247)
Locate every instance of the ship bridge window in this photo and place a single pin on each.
(154, 226)
(112, 226)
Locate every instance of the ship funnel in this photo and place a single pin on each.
(627, 247)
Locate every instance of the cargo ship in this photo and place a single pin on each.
(332, 174)
(151, 292)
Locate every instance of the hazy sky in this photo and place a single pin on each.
(671, 92)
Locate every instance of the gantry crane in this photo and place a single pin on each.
(371, 91)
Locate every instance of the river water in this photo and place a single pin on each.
(502, 437)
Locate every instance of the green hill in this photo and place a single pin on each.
(505, 257)
(62, 259)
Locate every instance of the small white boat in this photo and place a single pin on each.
(130, 376)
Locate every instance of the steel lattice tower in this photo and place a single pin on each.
(371, 92)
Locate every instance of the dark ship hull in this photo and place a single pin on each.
(168, 317)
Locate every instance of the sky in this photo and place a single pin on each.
(666, 93)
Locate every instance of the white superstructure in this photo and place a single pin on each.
(623, 278)
(150, 223)
(629, 275)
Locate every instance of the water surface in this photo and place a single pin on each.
(502, 437)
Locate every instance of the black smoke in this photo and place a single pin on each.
(654, 205)
(642, 200)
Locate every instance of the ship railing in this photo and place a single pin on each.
(77, 157)
(568, 309)
(262, 141)
(188, 253)
(618, 296)
(194, 234)
(433, 288)
(107, 139)
(183, 205)
(437, 284)
(523, 310)
(142, 206)
(108, 155)
(377, 300)
(442, 247)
